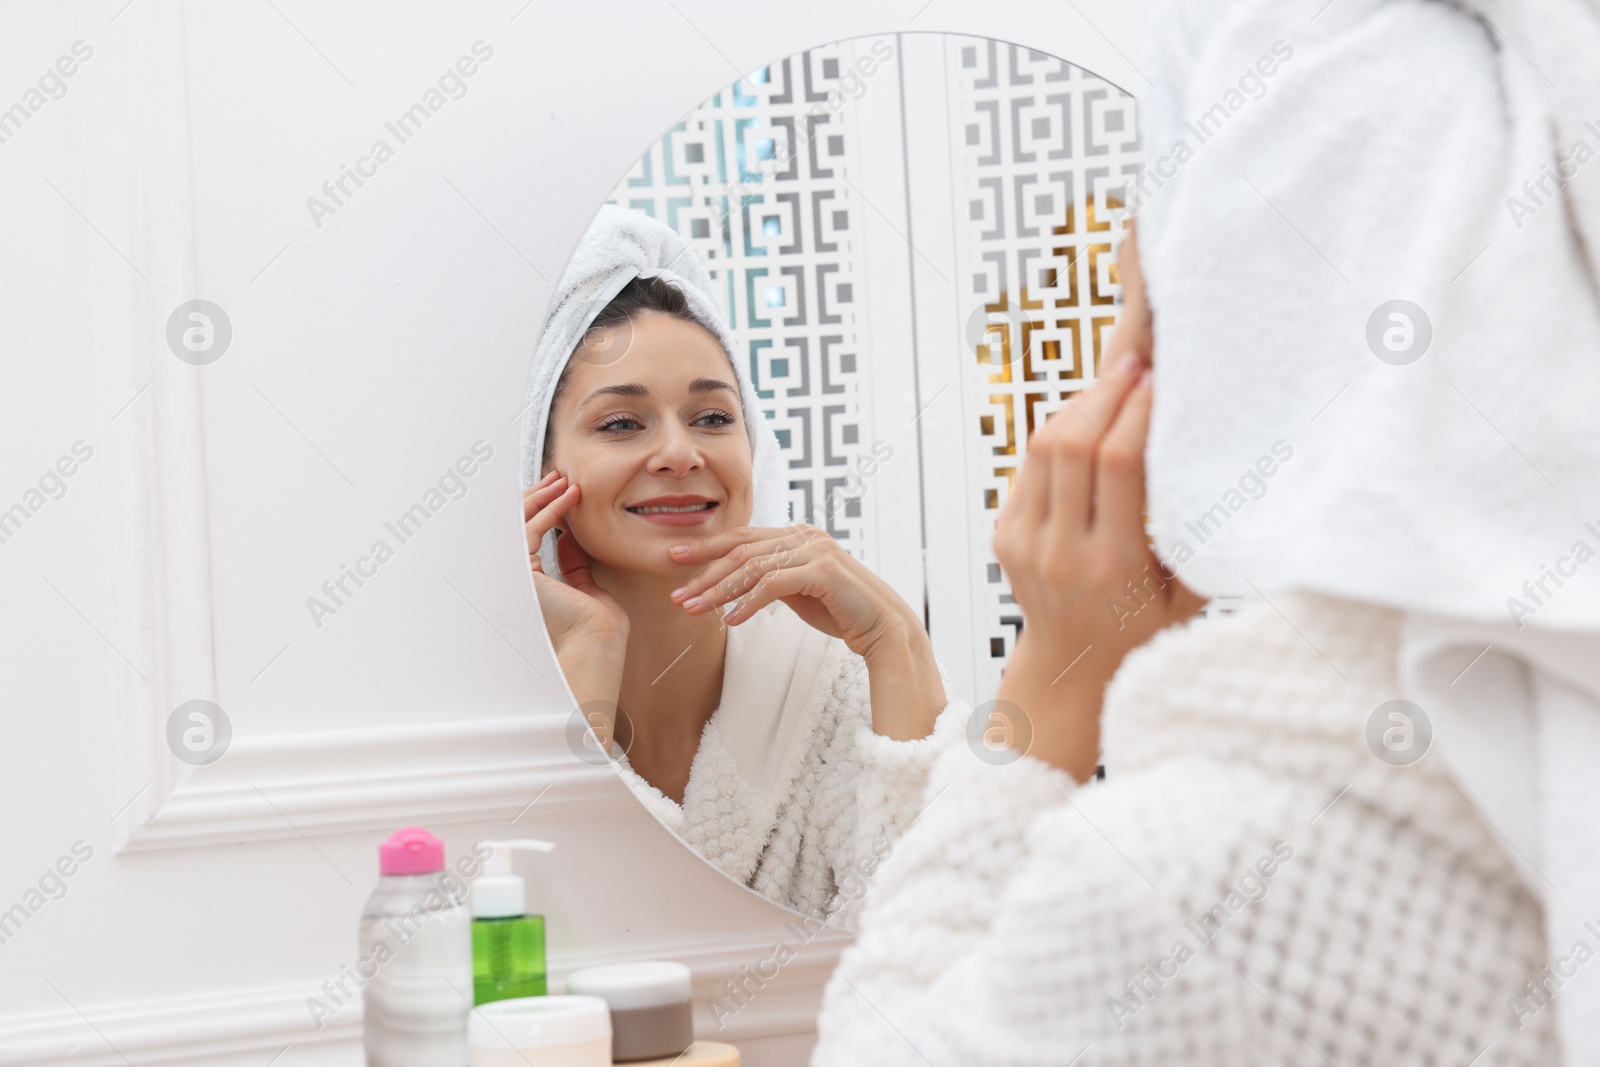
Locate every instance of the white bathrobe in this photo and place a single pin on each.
(791, 792)
(1248, 885)
(1252, 884)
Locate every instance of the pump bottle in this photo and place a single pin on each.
(507, 943)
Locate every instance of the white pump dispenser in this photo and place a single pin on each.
(498, 893)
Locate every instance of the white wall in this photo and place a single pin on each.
(367, 355)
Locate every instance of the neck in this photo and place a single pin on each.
(671, 675)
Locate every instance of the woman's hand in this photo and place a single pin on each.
(800, 565)
(1071, 537)
(833, 592)
(587, 625)
(1072, 543)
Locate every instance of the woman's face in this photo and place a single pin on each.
(649, 419)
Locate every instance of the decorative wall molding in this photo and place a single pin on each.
(192, 1028)
(273, 786)
(377, 778)
(148, 182)
(264, 787)
(262, 1021)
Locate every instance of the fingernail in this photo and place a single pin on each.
(693, 602)
(1128, 363)
(678, 550)
(678, 592)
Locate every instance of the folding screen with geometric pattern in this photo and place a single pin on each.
(777, 240)
(915, 238)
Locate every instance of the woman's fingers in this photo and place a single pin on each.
(1066, 447)
(757, 560)
(1071, 442)
(718, 545)
(774, 585)
(1095, 408)
(537, 496)
(1028, 503)
(1133, 331)
(549, 504)
(1052, 506)
(1069, 470)
(1119, 469)
(737, 548)
(545, 507)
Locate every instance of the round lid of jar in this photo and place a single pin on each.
(539, 1022)
(627, 986)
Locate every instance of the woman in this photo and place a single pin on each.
(787, 740)
(1277, 869)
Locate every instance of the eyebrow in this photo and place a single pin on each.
(699, 385)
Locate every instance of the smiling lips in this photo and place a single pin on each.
(675, 510)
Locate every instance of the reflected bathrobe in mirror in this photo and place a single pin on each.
(791, 792)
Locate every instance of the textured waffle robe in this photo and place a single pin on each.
(1252, 883)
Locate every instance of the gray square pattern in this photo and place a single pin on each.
(790, 291)
(1046, 149)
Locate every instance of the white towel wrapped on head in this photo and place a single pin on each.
(619, 246)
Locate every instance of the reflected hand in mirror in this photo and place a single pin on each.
(813, 575)
(587, 626)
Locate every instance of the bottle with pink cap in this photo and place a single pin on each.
(416, 957)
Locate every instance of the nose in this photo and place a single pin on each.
(677, 451)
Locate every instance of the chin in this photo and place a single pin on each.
(639, 547)
(635, 555)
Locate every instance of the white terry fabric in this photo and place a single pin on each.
(619, 246)
(1334, 908)
(1387, 159)
(1516, 716)
(1383, 150)
(791, 792)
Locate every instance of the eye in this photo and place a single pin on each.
(722, 418)
(627, 422)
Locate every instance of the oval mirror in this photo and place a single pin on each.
(807, 338)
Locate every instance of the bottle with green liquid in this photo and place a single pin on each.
(507, 942)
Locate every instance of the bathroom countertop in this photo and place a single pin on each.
(699, 1054)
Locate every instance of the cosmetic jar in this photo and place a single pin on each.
(572, 1031)
(651, 1017)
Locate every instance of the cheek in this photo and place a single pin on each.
(735, 478)
(578, 524)
(601, 477)
(595, 530)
